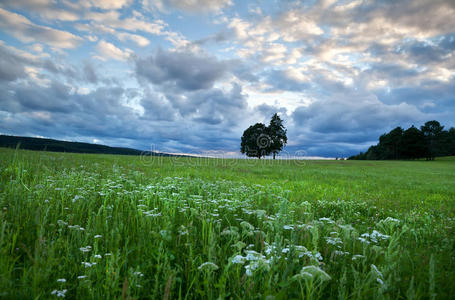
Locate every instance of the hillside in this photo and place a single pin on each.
(41, 144)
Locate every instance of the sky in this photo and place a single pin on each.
(190, 76)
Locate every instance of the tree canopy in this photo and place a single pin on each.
(277, 133)
(259, 140)
(430, 141)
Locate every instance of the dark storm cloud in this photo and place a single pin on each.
(336, 115)
(157, 107)
(207, 119)
(183, 70)
(212, 106)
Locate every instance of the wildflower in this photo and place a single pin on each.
(86, 249)
(379, 276)
(59, 293)
(238, 259)
(328, 220)
(257, 264)
(182, 230)
(98, 236)
(98, 256)
(333, 241)
(61, 280)
(77, 197)
(61, 223)
(391, 220)
(209, 266)
(137, 273)
(88, 264)
(253, 255)
(81, 277)
(357, 256)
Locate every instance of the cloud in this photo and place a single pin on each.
(183, 70)
(190, 6)
(12, 65)
(106, 49)
(90, 73)
(26, 31)
(138, 39)
(338, 114)
(107, 4)
(210, 119)
(112, 19)
(46, 9)
(157, 107)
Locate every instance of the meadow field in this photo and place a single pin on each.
(82, 226)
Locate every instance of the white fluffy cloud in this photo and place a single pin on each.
(191, 6)
(109, 50)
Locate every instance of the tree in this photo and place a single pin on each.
(432, 130)
(390, 144)
(256, 141)
(277, 133)
(451, 141)
(413, 143)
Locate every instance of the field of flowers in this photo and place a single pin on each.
(119, 227)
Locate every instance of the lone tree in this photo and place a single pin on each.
(277, 134)
(260, 140)
(256, 141)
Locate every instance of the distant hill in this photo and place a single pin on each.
(41, 144)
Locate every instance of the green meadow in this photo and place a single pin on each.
(81, 226)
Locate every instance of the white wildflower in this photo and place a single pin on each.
(209, 266)
(357, 256)
(86, 249)
(59, 293)
(253, 255)
(61, 280)
(328, 220)
(88, 264)
(238, 259)
(77, 197)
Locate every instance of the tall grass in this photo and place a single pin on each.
(119, 227)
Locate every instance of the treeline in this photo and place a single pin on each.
(41, 144)
(428, 142)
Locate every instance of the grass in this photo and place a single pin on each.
(124, 227)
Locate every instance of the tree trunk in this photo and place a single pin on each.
(274, 155)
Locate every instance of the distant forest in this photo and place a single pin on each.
(41, 144)
(428, 142)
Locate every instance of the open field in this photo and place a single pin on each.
(123, 227)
